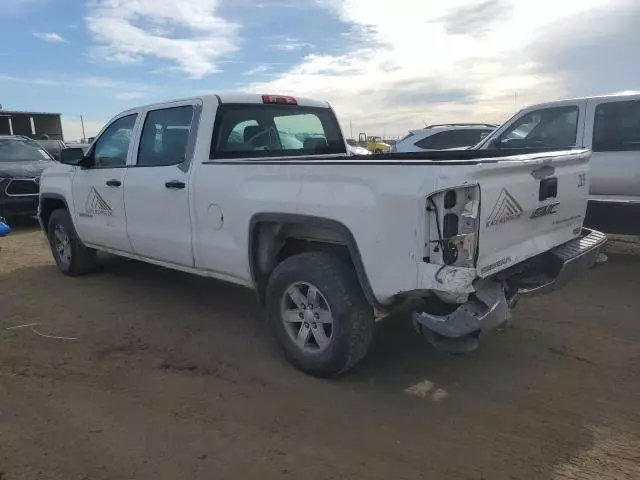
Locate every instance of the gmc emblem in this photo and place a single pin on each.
(550, 209)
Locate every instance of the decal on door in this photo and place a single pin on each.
(96, 205)
(545, 210)
(505, 210)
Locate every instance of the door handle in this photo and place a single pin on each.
(113, 183)
(175, 184)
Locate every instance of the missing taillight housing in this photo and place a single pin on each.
(452, 226)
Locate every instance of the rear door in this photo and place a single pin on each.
(529, 205)
(157, 186)
(613, 128)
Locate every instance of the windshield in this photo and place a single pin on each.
(21, 150)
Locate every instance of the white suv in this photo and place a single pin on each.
(444, 137)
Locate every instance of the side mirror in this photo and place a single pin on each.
(71, 156)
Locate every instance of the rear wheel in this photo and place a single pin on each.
(318, 313)
(377, 151)
(71, 256)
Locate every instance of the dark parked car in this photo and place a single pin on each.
(22, 161)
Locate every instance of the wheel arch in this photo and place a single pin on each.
(49, 202)
(269, 232)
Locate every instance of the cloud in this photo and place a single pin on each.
(602, 52)
(50, 37)
(476, 19)
(56, 80)
(189, 34)
(285, 43)
(296, 4)
(260, 69)
(29, 80)
(460, 60)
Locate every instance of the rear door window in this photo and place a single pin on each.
(617, 127)
(258, 130)
(165, 136)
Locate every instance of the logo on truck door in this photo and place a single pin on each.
(505, 210)
(545, 210)
(96, 205)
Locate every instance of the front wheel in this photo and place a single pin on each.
(71, 256)
(319, 314)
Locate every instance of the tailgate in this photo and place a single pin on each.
(529, 205)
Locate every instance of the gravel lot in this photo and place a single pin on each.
(161, 375)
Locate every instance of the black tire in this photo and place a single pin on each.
(353, 319)
(377, 151)
(82, 259)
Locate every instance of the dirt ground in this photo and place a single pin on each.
(161, 375)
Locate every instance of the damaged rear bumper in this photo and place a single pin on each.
(490, 305)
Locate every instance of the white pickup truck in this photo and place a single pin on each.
(214, 186)
(609, 125)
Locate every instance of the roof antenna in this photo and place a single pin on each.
(424, 123)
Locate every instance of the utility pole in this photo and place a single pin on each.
(84, 137)
(350, 129)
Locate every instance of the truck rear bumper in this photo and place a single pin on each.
(490, 306)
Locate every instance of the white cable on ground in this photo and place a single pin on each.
(32, 325)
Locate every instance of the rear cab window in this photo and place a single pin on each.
(255, 130)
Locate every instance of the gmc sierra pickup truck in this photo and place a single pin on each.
(258, 190)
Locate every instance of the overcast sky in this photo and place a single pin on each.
(386, 66)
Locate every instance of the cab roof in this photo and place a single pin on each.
(231, 97)
(628, 95)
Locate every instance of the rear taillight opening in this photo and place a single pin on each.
(279, 99)
(452, 226)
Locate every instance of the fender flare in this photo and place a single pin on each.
(325, 223)
(51, 196)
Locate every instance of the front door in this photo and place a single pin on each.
(98, 193)
(157, 186)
